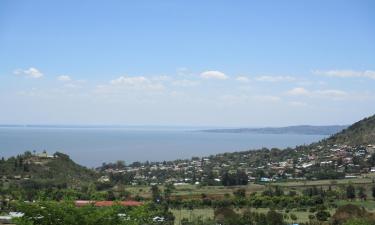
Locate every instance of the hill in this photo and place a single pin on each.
(360, 133)
(44, 170)
(301, 129)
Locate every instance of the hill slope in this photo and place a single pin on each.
(360, 133)
(54, 170)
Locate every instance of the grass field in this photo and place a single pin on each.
(208, 213)
(302, 216)
(196, 191)
(365, 179)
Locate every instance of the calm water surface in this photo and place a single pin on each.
(93, 146)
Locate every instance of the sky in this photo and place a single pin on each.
(191, 63)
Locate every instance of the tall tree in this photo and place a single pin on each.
(350, 192)
(362, 193)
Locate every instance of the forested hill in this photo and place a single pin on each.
(302, 129)
(360, 133)
(45, 170)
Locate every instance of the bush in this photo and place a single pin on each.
(293, 217)
(348, 212)
(225, 213)
(311, 217)
(274, 218)
(322, 215)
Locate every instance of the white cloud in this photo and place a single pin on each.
(298, 91)
(64, 78)
(70, 85)
(132, 81)
(185, 83)
(331, 93)
(212, 74)
(275, 78)
(126, 83)
(328, 93)
(268, 98)
(31, 72)
(346, 73)
(242, 79)
(298, 104)
(160, 78)
(241, 99)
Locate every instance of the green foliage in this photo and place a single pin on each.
(274, 218)
(293, 217)
(322, 215)
(359, 221)
(350, 191)
(238, 178)
(240, 193)
(156, 194)
(361, 132)
(65, 213)
(347, 212)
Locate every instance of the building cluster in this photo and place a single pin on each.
(348, 160)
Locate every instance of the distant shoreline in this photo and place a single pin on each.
(301, 129)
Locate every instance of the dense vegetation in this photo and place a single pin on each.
(66, 213)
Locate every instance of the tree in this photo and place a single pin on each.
(156, 196)
(371, 160)
(278, 191)
(362, 193)
(111, 196)
(322, 215)
(223, 214)
(350, 192)
(373, 192)
(169, 188)
(347, 212)
(274, 218)
(240, 193)
(293, 217)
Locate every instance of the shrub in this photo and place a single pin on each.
(322, 215)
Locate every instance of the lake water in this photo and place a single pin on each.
(93, 146)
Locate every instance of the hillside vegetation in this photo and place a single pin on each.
(360, 133)
(45, 171)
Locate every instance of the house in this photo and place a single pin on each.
(103, 179)
(8, 218)
(266, 179)
(44, 154)
(158, 219)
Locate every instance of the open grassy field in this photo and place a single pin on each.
(364, 179)
(196, 191)
(302, 216)
(208, 213)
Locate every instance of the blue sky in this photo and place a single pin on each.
(223, 63)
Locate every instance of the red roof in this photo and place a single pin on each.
(80, 203)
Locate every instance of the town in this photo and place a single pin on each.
(319, 162)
